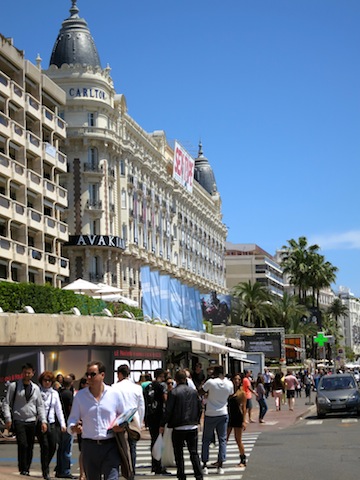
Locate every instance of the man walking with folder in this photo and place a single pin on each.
(93, 411)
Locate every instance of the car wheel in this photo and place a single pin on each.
(320, 415)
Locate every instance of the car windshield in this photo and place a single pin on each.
(343, 383)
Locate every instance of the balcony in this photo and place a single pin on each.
(33, 144)
(5, 165)
(35, 258)
(6, 248)
(49, 190)
(63, 232)
(18, 172)
(17, 94)
(57, 265)
(34, 219)
(61, 161)
(48, 118)
(19, 252)
(34, 181)
(18, 212)
(60, 127)
(33, 107)
(94, 205)
(5, 125)
(5, 85)
(5, 207)
(95, 168)
(18, 133)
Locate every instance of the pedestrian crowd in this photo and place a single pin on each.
(107, 420)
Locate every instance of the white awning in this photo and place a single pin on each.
(235, 353)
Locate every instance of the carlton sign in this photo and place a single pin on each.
(96, 241)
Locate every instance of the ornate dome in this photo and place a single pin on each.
(203, 173)
(74, 43)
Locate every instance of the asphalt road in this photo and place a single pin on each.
(312, 449)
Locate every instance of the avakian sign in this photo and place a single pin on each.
(96, 241)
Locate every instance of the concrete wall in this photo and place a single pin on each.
(41, 329)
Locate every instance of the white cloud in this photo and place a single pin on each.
(337, 241)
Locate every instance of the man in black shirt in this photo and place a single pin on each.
(63, 462)
(155, 395)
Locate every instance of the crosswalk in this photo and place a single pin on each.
(232, 471)
(343, 421)
(143, 460)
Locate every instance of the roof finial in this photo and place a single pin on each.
(74, 8)
(200, 149)
(38, 61)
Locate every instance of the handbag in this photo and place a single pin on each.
(167, 457)
(158, 447)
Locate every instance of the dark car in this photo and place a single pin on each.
(337, 393)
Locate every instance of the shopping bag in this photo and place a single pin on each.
(167, 457)
(158, 447)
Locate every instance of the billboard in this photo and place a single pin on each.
(183, 171)
(267, 343)
(216, 308)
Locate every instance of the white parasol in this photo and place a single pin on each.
(82, 286)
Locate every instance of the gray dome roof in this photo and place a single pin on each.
(74, 43)
(203, 172)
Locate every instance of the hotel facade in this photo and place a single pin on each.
(126, 210)
(32, 159)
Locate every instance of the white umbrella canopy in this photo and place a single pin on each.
(104, 289)
(118, 298)
(82, 286)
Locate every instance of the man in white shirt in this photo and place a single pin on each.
(132, 397)
(93, 411)
(218, 390)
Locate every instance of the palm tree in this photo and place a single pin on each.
(296, 259)
(288, 313)
(337, 309)
(254, 301)
(321, 275)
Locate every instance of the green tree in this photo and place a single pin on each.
(321, 274)
(307, 269)
(296, 259)
(254, 304)
(337, 309)
(288, 313)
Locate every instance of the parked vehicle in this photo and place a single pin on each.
(337, 393)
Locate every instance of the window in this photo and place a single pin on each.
(122, 167)
(93, 158)
(95, 227)
(123, 198)
(93, 194)
(92, 119)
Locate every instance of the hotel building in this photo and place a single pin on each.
(32, 159)
(125, 208)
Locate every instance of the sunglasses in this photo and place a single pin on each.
(90, 374)
(170, 383)
(47, 380)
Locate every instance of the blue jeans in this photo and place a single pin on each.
(263, 408)
(220, 425)
(63, 459)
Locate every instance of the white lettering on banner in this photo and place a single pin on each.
(97, 240)
(137, 367)
(183, 167)
(87, 93)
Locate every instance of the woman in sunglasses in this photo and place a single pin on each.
(53, 410)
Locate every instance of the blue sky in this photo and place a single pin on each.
(270, 86)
